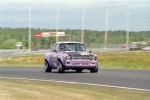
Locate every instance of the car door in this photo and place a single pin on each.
(55, 55)
(51, 55)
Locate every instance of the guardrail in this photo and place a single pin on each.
(4, 53)
(20, 52)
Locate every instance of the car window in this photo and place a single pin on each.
(52, 48)
(56, 47)
(80, 47)
(72, 47)
(61, 47)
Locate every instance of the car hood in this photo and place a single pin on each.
(79, 54)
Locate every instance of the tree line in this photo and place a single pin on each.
(9, 37)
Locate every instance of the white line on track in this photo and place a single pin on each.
(77, 83)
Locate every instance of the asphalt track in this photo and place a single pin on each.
(131, 79)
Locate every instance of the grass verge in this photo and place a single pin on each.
(124, 60)
(21, 61)
(37, 90)
(111, 59)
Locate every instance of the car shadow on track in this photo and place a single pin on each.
(66, 72)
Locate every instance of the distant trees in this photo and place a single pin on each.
(9, 37)
(9, 44)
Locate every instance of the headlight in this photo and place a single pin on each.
(93, 58)
(68, 58)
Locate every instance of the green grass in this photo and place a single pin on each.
(111, 59)
(124, 60)
(27, 61)
(37, 90)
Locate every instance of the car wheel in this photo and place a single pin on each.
(94, 70)
(79, 70)
(47, 67)
(60, 67)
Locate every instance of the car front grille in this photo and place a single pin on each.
(81, 58)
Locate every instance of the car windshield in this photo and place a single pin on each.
(72, 47)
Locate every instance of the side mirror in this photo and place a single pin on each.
(55, 50)
(90, 51)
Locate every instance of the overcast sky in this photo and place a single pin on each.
(14, 14)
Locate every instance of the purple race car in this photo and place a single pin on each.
(70, 55)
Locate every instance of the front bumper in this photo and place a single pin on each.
(80, 64)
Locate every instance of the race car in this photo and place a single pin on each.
(70, 55)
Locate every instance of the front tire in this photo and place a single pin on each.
(60, 68)
(94, 70)
(47, 67)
